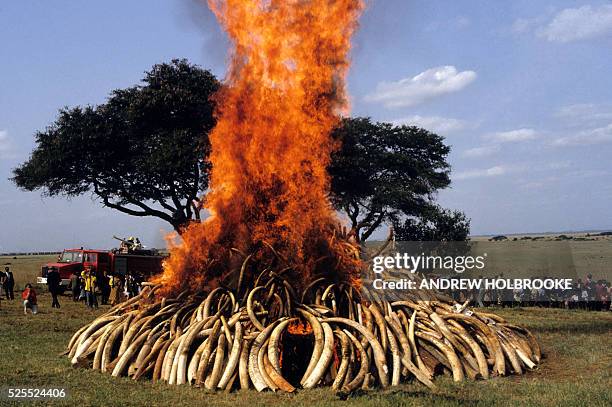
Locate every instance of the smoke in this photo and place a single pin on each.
(214, 40)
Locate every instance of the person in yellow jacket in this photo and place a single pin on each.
(90, 282)
(115, 284)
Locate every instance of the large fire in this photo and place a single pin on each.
(263, 293)
(269, 190)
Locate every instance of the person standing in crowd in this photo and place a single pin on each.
(8, 283)
(105, 288)
(480, 292)
(578, 287)
(90, 283)
(601, 295)
(75, 286)
(517, 297)
(29, 300)
(132, 284)
(590, 288)
(138, 280)
(2, 278)
(115, 285)
(127, 286)
(53, 282)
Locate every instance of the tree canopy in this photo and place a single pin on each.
(386, 174)
(145, 153)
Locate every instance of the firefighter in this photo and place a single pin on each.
(90, 282)
(53, 282)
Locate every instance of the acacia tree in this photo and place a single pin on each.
(386, 174)
(143, 152)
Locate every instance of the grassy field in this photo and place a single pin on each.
(562, 259)
(26, 268)
(576, 370)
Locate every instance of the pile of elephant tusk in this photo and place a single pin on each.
(214, 341)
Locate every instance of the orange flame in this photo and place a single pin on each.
(282, 97)
(299, 328)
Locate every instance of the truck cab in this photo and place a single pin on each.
(73, 261)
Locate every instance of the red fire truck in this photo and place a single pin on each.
(71, 261)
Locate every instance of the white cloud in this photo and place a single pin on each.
(436, 124)
(481, 151)
(584, 113)
(599, 135)
(513, 135)
(481, 173)
(427, 85)
(573, 24)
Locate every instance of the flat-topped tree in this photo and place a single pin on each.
(143, 152)
(387, 174)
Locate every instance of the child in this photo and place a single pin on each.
(29, 300)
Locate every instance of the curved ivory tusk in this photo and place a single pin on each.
(215, 374)
(379, 355)
(184, 347)
(273, 355)
(380, 323)
(325, 359)
(128, 354)
(345, 346)
(208, 349)
(253, 363)
(243, 369)
(319, 339)
(450, 354)
(250, 311)
(396, 359)
(276, 377)
(233, 357)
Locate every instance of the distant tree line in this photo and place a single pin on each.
(13, 254)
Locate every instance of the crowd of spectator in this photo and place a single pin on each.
(86, 286)
(587, 294)
(112, 289)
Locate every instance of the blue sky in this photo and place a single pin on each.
(521, 90)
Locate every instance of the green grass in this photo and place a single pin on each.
(26, 268)
(576, 370)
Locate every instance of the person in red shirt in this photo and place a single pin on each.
(29, 300)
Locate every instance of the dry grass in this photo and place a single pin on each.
(576, 371)
(26, 268)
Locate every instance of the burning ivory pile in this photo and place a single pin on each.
(273, 339)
